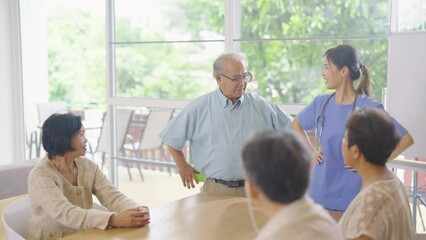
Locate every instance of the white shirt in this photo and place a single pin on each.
(302, 219)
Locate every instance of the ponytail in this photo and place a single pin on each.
(364, 85)
(347, 56)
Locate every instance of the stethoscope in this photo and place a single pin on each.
(320, 119)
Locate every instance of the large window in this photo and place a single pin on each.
(160, 53)
(63, 59)
(285, 42)
(166, 50)
(76, 52)
(411, 15)
(166, 70)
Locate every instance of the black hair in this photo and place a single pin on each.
(347, 56)
(373, 131)
(277, 161)
(57, 132)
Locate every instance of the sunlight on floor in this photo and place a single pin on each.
(159, 188)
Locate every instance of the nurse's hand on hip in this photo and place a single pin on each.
(318, 156)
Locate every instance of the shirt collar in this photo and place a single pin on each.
(225, 101)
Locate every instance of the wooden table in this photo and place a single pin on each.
(3, 204)
(202, 216)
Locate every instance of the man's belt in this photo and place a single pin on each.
(232, 184)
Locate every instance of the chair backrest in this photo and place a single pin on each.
(157, 120)
(93, 117)
(124, 117)
(14, 178)
(49, 108)
(15, 218)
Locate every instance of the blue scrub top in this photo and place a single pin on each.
(333, 186)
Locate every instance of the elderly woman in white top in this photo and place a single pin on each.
(381, 209)
(62, 184)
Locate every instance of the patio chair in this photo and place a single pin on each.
(48, 108)
(150, 141)
(93, 121)
(124, 117)
(15, 219)
(16, 216)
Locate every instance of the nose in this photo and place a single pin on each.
(240, 82)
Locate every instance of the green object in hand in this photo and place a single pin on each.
(200, 176)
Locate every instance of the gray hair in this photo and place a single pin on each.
(219, 63)
(277, 161)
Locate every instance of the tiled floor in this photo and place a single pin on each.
(159, 188)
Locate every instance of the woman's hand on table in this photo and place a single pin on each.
(130, 218)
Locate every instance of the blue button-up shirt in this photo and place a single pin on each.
(217, 130)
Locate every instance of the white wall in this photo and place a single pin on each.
(9, 134)
(407, 86)
(24, 17)
(34, 58)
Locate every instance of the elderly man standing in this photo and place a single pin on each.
(217, 124)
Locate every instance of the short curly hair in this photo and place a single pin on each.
(374, 132)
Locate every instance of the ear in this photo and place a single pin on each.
(217, 77)
(355, 151)
(344, 71)
(252, 190)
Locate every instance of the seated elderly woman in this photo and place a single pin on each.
(62, 184)
(381, 209)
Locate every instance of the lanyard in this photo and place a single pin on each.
(320, 119)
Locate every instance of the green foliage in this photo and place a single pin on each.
(76, 57)
(284, 41)
(288, 66)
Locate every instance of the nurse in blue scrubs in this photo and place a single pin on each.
(334, 184)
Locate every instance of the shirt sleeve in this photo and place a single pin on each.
(308, 116)
(401, 130)
(180, 128)
(283, 120)
(108, 195)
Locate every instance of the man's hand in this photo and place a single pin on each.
(188, 175)
(186, 172)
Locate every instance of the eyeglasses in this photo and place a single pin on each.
(246, 77)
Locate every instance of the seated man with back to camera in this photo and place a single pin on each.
(61, 187)
(277, 171)
(216, 125)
